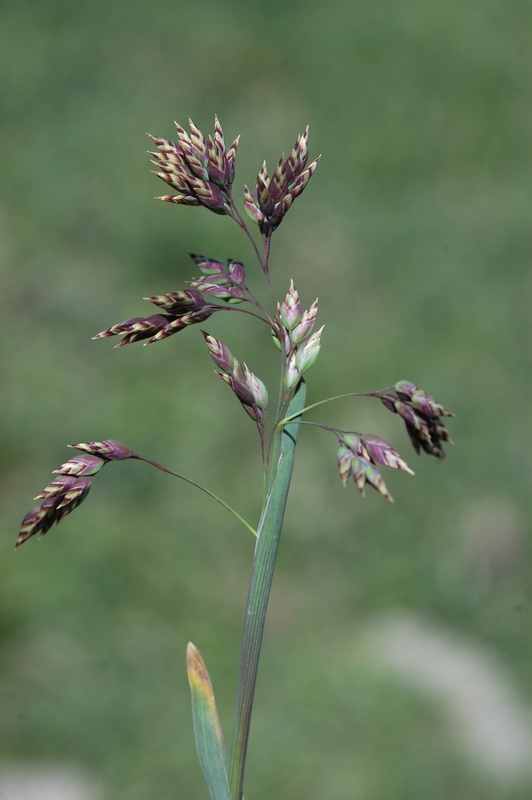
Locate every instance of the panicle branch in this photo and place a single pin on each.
(187, 307)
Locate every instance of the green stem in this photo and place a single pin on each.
(240, 222)
(329, 400)
(269, 532)
(203, 489)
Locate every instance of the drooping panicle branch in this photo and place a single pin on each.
(188, 306)
(71, 487)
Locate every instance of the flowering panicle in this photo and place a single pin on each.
(421, 414)
(249, 389)
(224, 283)
(74, 478)
(272, 196)
(358, 456)
(200, 170)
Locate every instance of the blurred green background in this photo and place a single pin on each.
(415, 234)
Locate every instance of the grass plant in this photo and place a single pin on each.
(200, 172)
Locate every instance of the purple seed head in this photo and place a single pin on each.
(272, 197)
(200, 170)
(421, 414)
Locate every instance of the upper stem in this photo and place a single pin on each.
(266, 547)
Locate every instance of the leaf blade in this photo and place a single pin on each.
(207, 730)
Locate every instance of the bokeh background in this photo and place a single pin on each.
(398, 654)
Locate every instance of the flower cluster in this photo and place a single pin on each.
(272, 196)
(358, 456)
(421, 414)
(225, 283)
(249, 389)
(200, 170)
(293, 331)
(182, 308)
(74, 478)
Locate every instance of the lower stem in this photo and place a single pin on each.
(269, 532)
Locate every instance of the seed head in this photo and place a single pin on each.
(71, 486)
(200, 170)
(421, 414)
(272, 197)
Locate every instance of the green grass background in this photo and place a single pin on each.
(414, 233)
